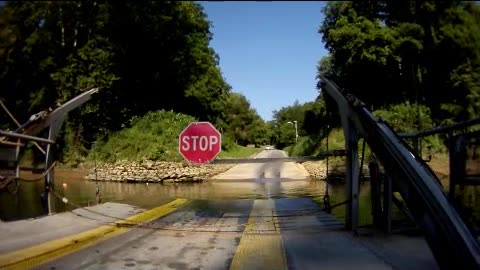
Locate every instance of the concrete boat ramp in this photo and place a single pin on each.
(26, 233)
(289, 233)
(268, 233)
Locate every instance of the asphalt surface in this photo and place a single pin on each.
(270, 170)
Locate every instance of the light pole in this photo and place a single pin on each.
(296, 129)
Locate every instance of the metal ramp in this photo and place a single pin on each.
(449, 239)
(13, 142)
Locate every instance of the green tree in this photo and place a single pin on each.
(143, 55)
(390, 52)
(311, 120)
(362, 56)
(244, 125)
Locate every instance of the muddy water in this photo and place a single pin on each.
(27, 204)
(70, 184)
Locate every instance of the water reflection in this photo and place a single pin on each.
(26, 203)
(338, 195)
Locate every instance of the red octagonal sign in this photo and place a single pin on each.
(200, 142)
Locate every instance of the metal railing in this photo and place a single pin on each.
(451, 242)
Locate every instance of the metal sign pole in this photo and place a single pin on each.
(53, 131)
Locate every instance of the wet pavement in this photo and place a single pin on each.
(291, 233)
(271, 170)
(270, 232)
(24, 233)
(253, 181)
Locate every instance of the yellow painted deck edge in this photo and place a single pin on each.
(42, 253)
(253, 243)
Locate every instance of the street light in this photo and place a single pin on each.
(296, 129)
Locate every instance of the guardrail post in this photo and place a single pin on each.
(387, 204)
(415, 144)
(375, 186)
(53, 131)
(457, 156)
(17, 158)
(49, 178)
(351, 141)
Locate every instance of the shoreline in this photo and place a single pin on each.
(154, 171)
(318, 169)
(175, 172)
(140, 172)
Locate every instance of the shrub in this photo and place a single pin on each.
(153, 136)
(405, 117)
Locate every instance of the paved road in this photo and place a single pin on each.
(270, 170)
(272, 233)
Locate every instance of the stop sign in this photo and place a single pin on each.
(200, 142)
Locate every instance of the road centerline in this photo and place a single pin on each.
(257, 250)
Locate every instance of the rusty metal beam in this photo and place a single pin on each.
(19, 125)
(60, 112)
(11, 143)
(442, 129)
(25, 137)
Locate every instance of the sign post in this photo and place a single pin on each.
(200, 142)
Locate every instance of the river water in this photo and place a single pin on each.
(27, 204)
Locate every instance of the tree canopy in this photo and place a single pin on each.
(391, 52)
(310, 118)
(416, 64)
(143, 56)
(245, 126)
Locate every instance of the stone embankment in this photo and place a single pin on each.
(155, 171)
(318, 169)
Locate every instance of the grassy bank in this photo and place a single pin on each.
(155, 137)
(314, 145)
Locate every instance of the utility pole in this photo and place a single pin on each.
(296, 129)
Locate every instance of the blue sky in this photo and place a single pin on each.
(268, 50)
